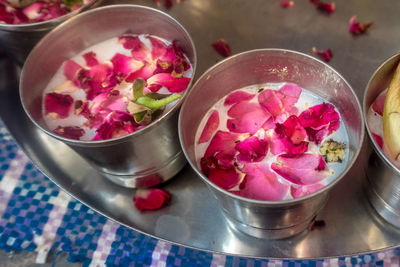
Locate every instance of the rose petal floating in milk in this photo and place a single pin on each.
(251, 149)
(90, 59)
(304, 190)
(174, 85)
(210, 127)
(72, 132)
(58, 105)
(246, 117)
(237, 97)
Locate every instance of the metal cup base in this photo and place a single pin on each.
(152, 178)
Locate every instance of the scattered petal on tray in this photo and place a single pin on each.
(357, 28)
(222, 47)
(328, 8)
(326, 55)
(286, 3)
(151, 199)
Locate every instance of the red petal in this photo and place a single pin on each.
(248, 117)
(237, 97)
(223, 142)
(72, 132)
(251, 149)
(326, 55)
(224, 178)
(158, 47)
(222, 47)
(305, 169)
(174, 85)
(210, 127)
(90, 58)
(357, 28)
(329, 8)
(72, 70)
(262, 184)
(59, 104)
(304, 190)
(286, 3)
(125, 65)
(378, 140)
(379, 104)
(151, 199)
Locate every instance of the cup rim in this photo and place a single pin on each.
(149, 127)
(377, 149)
(265, 202)
(43, 25)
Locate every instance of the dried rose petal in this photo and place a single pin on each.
(357, 28)
(262, 184)
(329, 8)
(378, 139)
(320, 121)
(379, 104)
(247, 117)
(125, 65)
(59, 104)
(90, 58)
(237, 97)
(72, 70)
(326, 55)
(82, 108)
(222, 47)
(251, 149)
(174, 85)
(210, 127)
(304, 190)
(305, 169)
(151, 199)
(286, 3)
(72, 132)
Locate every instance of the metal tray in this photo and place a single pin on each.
(193, 219)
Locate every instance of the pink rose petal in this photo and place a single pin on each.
(262, 184)
(287, 3)
(108, 101)
(174, 85)
(304, 190)
(59, 104)
(326, 55)
(71, 71)
(237, 97)
(145, 72)
(305, 169)
(222, 142)
(247, 117)
(222, 47)
(125, 65)
(210, 127)
(72, 132)
(378, 139)
(90, 58)
(158, 49)
(151, 199)
(357, 28)
(112, 125)
(251, 149)
(379, 104)
(224, 178)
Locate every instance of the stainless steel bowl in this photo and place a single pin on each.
(383, 177)
(19, 39)
(270, 219)
(143, 158)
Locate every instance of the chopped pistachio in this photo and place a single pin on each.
(333, 151)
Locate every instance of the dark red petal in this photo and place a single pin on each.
(326, 55)
(286, 3)
(151, 199)
(90, 58)
(304, 190)
(72, 132)
(329, 8)
(251, 149)
(302, 170)
(59, 104)
(317, 224)
(174, 85)
(379, 104)
(222, 47)
(357, 28)
(210, 127)
(262, 184)
(158, 49)
(237, 97)
(378, 139)
(224, 178)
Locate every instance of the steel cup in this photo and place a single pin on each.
(383, 177)
(143, 158)
(270, 219)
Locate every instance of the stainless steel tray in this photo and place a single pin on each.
(193, 219)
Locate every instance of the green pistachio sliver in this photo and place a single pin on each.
(156, 104)
(138, 86)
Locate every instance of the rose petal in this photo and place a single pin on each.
(262, 184)
(305, 169)
(237, 97)
(72, 132)
(90, 58)
(357, 28)
(224, 178)
(59, 104)
(32, 11)
(304, 190)
(125, 65)
(248, 117)
(286, 3)
(71, 71)
(151, 199)
(379, 104)
(251, 149)
(158, 47)
(145, 72)
(320, 121)
(109, 102)
(378, 139)
(222, 47)
(222, 142)
(326, 55)
(174, 85)
(329, 8)
(210, 127)
(112, 125)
